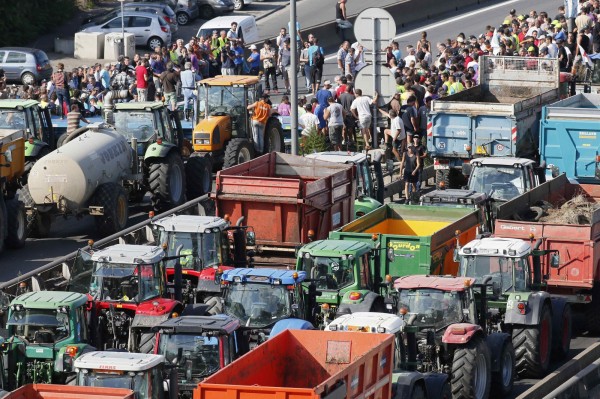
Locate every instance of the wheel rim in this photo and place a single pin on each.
(507, 369)
(28, 79)
(175, 183)
(21, 225)
(275, 141)
(544, 340)
(154, 43)
(122, 210)
(238, 4)
(480, 376)
(243, 156)
(182, 19)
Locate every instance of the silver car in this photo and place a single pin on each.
(150, 30)
(161, 9)
(25, 65)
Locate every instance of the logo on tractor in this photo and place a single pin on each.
(397, 245)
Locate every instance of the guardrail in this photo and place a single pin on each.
(579, 378)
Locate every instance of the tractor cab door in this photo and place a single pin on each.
(81, 272)
(47, 129)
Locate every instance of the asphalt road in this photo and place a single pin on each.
(68, 235)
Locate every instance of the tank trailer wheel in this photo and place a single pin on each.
(471, 370)
(113, 198)
(533, 345)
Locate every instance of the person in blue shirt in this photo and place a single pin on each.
(316, 70)
(254, 61)
(238, 60)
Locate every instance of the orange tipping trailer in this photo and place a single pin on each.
(288, 200)
(308, 364)
(52, 391)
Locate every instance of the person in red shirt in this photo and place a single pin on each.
(141, 78)
(467, 57)
(342, 88)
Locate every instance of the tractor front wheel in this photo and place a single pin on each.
(274, 137)
(471, 370)
(237, 151)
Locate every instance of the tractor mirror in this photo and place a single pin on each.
(8, 156)
(250, 238)
(390, 255)
(555, 260)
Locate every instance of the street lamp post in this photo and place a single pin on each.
(294, 76)
(122, 26)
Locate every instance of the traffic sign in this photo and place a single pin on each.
(374, 24)
(384, 84)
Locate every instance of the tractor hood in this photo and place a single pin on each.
(207, 125)
(211, 132)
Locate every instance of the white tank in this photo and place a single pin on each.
(70, 174)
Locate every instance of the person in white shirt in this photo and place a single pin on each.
(411, 56)
(308, 120)
(396, 132)
(361, 109)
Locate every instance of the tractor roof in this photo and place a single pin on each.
(220, 324)
(130, 254)
(454, 196)
(191, 224)
(230, 80)
(121, 361)
(501, 161)
(339, 156)
(264, 276)
(442, 283)
(367, 322)
(139, 106)
(14, 103)
(335, 248)
(508, 247)
(50, 299)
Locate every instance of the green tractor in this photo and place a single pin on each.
(343, 272)
(47, 331)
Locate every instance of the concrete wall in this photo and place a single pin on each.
(89, 45)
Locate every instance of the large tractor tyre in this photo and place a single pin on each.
(471, 371)
(562, 329)
(237, 151)
(38, 223)
(533, 345)
(113, 198)
(504, 379)
(17, 224)
(198, 177)
(442, 178)
(215, 305)
(146, 343)
(167, 182)
(273, 137)
(3, 222)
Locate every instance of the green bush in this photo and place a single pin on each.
(313, 142)
(23, 21)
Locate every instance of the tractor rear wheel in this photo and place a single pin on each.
(563, 330)
(167, 182)
(504, 379)
(113, 198)
(471, 370)
(533, 345)
(237, 151)
(198, 175)
(38, 223)
(274, 137)
(17, 225)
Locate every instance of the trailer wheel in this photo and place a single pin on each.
(146, 343)
(198, 175)
(471, 370)
(113, 198)
(533, 345)
(237, 151)
(215, 305)
(17, 225)
(504, 379)
(167, 182)
(273, 137)
(38, 223)
(563, 329)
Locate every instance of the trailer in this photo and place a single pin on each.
(415, 239)
(494, 118)
(340, 365)
(51, 391)
(570, 137)
(288, 200)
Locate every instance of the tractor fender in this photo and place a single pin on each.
(290, 324)
(461, 333)
(535, 302)
(495, 342)
(32, 150)
(364, 205)
(158, 150)
(405, 382)
(434, 384)
(364, 304)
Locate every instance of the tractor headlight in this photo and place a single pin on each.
(202, 141)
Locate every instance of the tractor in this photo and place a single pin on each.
(206, 242)
(47, 331)
(223, 126)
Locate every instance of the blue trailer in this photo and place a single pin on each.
(499, 117)
(570, 137)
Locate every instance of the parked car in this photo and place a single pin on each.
(25, 65)
(149, 29)
(211, 8)
(160, 8)
(185, 10)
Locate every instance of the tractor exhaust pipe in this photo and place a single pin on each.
(108, 104)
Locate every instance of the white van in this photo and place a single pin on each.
(246, 26)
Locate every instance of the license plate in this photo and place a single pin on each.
(441, 166)
(480, 150)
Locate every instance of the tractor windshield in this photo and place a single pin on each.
(125, 282)
(500, 270)
(501, 183)
(257, 305)
(201, 249)
(329, 273)
(433, 308)
(195, 355)
(42, 326)
(138, 124)
(12, 119)
(137, 382)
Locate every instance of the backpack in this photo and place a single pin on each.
(317, 58)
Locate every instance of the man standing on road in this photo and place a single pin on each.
(169, 80)
(268, 57)
(188, 84)
(261, 112)
(284, 64)
(346, 98)
(396, 133)
(341, 56)
(141, 79)
(361, 109)
(254, 60)
(316, 58)
(410, 117)
(334, 114)
(323, 96)
(59, 80)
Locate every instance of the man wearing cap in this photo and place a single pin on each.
(261, 113)
(254, 60)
